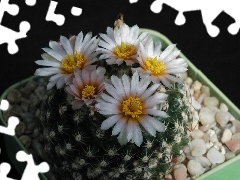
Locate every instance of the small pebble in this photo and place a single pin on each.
(227, 135)
(20, 129)
(31, 85)
(14, 96)
(211, 101)
(26, 140)
(229, 155)
(197, 134)
(223, 107)
(222, 118)
(214, 156)
(203, 161)
(198, 147)
(233, 145)
(206, 116)
(180, 173)
(205, 90)
(196, 86)
(195, 168)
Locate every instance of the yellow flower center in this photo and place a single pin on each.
(124, 51)
(88, 91)
(132, 107)
(71, 61)
(155, 66)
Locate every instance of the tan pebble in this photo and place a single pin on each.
(233, 145)
(188, 81)
(196, 86)
(201, 98)
(197, 134)
(196, 94)
(226, 136)
(211, 101)
(180, 173)
(205, 90)
(206, 137)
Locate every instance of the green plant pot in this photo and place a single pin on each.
(225, 171)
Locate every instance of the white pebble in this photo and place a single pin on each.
(197, 134)
(206, 116)
(203, 161)
(195, 168)
(198, 147)
(227, 135)
(236, 137)
(229, 155)
(188, 81)
(196, 105)
(201, 98)
(213, 138)
(215, 156)
(223, 107)
(236, 123)
(222, 118)
(211, 101)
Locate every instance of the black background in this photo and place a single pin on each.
(216, 57)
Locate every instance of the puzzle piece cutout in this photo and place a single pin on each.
(4, 170)
(31, 170)
(59, 19)
(30, 2)
(8, 35)
(133, 1)
(4, 105)
(10, 130)
(209, 10)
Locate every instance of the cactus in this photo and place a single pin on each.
(74, 127)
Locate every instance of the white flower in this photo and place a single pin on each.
(63, 57)
(87, 85)
(121, 44)
(129, 104)
(160, 66)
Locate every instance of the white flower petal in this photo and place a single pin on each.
(134, 83)
(167, 51)
(173, 78)
(117, 83)
(48, 63)
(53, 54)
(157, 98)
(78, 42)
(130, 130)
(46, 71)
(112, 91)
(159, 126)
(156, 112)
(176, 70)
(137, 135)
(150, 91)
(109, 99)
(57, 48)
(122, 137)
(118, 127)
(143, 84)
(148, 126)
(126, 84)
(109, 122)
(66, 45)
(60, 83)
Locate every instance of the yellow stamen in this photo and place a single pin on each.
(72, 61)
(88, 91)
(124, 51)
(157, 67)
(132, 107)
